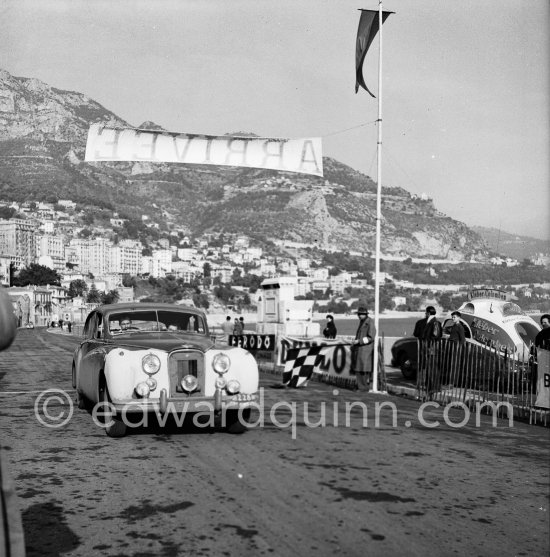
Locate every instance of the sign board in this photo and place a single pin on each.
(253, 342)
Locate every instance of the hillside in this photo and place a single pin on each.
(42, 138)
(511, 245)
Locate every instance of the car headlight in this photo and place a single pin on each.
(151, 383)
(142, 389)
(189, 383)
(233, 386)
(221, 363)
(150, 364)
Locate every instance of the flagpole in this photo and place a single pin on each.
(378, 208)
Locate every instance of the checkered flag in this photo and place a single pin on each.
(300, 364)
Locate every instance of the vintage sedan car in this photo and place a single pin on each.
(160, 359)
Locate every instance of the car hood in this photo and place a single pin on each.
(165, 341)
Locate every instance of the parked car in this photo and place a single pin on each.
(160, 359)
(490, 319)
(30, 325)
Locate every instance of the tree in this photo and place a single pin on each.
(7, 212)
(77, 287)
(88, 218)
(85, 233)
(236, 277)
(128, 280)
(445, 301)
(37, 275)
(110, 297)
(201, 300)
(94, 296)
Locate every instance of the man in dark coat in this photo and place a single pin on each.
(432, 327)
(430, 351)
(421, 323)
(362, 350)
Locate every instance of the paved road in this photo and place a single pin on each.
(349, 491)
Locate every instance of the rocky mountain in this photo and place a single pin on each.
(43, 133)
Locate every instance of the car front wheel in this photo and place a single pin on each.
(237, 424)
(113, 425)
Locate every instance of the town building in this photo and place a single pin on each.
(18, 240)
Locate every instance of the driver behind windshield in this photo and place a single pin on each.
(125, 323)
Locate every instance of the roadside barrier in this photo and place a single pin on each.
(474, 373)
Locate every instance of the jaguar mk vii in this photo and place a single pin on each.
(161, 359)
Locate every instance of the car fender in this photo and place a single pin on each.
(243, 368)
(405, 345)
(123, 371)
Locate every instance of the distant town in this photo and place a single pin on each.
(58, 260)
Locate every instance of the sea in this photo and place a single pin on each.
(389, 326)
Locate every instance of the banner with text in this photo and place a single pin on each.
(108, 143)
(334, 359)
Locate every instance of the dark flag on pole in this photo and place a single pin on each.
(368, 27)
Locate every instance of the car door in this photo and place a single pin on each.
(92, 356)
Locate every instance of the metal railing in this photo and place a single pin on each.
(474, 373)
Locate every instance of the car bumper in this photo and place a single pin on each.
(164, 404)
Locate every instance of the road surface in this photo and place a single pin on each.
(277, 490)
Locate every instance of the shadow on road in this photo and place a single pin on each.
(46, 531)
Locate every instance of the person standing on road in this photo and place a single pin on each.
(227, 328)
(237, 328)
(421, 323)
(430, 351)
(362, 350)
(330, 329)
(454, 349)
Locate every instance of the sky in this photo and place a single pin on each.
(465, 84)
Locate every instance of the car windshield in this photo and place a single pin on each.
(156, 321)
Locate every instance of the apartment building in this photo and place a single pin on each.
(93, 255)
(18, 240)
(126, 256)
(52, 246)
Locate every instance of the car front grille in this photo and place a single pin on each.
(182, 363)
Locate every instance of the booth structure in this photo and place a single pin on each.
(280, 314)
